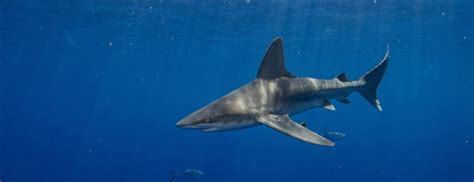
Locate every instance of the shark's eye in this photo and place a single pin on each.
(208, 120)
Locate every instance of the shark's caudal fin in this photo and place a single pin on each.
(173, 175)
(372, 80)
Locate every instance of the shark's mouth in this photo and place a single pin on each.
(220, 126)
(195, 126)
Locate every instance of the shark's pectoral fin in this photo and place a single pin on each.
(284, 124)
(327, 105)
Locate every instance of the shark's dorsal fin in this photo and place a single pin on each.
(342, 77)
(273, 64)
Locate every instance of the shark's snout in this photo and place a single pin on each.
(198, 120)
(191, 121)
(184, 123)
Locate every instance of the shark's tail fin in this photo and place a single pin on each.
(173, 175)
(371, 80)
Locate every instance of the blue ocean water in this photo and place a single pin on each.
(91, 90)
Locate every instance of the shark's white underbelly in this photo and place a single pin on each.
(232, 125)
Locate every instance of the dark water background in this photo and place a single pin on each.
(91, 90)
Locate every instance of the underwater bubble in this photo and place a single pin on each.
(467, 141)
(110, 44)
(443, 13)
(464, 37)
(247, 1)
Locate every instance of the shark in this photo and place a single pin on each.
(276, 94)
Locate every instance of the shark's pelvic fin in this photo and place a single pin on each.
(273, 64)
(284, 124)
(372, 80)
(327, 105)
(342, 77)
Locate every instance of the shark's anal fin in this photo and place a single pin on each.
(273, 64)
(327, 105)
(284, 124)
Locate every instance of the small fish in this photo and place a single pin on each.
(332, 135)
(188, 173)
